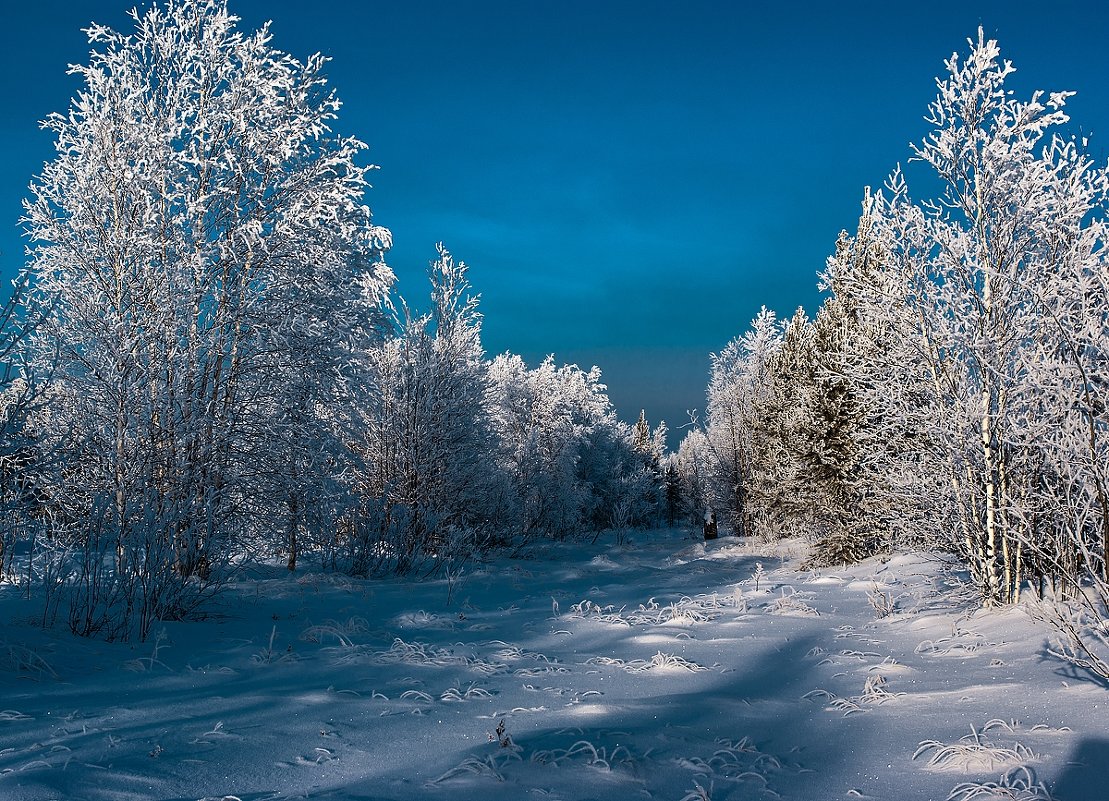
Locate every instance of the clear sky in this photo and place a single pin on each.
(629, 181)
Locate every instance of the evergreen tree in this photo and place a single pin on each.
(672, 485)
(694, 472)
(857, 516)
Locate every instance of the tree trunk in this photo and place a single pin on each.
(294, 524)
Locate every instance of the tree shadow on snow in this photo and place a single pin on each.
(667, 737)
(1086, 773)
(1069, 671)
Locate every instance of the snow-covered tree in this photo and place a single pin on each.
(650, 445)
(779, 430)
(859, 504)
(982, 290)
(540, 440)
(785, 425)
(573, 466)
(694, 474)
(317, 366)
(20, 457)
(430, 474)
(671, 491)
(197, 208)
(735, 430)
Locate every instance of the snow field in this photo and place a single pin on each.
(665, 669)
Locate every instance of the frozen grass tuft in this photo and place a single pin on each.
(685, 610)
(1016, 784)
(512, 653)
(594, 756)
(413, 653)
(542, 670)
(323, 755)
(845, 705)
(343, 633)
(699, 793)
(268, 656)
(425, 620)
(701, 609)
(737, 760)
(790, 602)
(147, 663)
(874, 693)
(24, 662)
(888, 662)
(607, 614)
(418, 653)
(490, 767)
(961, 643)
(881, 602)
(457, 694)
(212, 735)
(659, 660)
(972, 753)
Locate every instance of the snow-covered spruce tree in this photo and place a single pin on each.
(859, 503)
(978, 282)
(735, 431)
(650, 445)
(430, 483)
(197, 210)
(785, 424)
(672, 491)
(641, 434)
(789, 429)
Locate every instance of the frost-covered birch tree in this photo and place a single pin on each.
(540, 439)
(984, 287)
(198, 207)
(329, 318)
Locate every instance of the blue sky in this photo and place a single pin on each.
(629, 181)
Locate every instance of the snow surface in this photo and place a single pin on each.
(652, 670)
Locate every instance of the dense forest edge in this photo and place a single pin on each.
(206, 362)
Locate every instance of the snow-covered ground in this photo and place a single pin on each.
(664, 669)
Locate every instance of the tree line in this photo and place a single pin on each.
(951, 392)
(206, 359)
